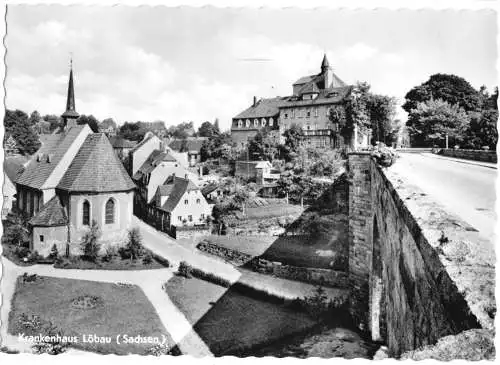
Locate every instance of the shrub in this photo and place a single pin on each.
(134, 244)
(34, 256)
(21, 252)
(110, 253)
(162, 260)
(184, 269)
(90, 242)
(124, 253)
(54, 253)
(212, 278)
(147, 259)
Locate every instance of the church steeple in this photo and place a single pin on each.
(70, 115)
(325, 65)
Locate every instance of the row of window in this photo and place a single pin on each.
(303, 113)
(109, 212)
(256, 123)
(190, 217)
(198, 201)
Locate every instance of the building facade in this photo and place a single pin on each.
(308, 107)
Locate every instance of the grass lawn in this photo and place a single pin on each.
(250, 245)
(275, 210)
(236, 323)
(193, 297)
(124, 310)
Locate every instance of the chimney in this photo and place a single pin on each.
(254, 101)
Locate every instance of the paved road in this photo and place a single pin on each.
(464, 188)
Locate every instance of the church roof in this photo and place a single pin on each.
(325, 62)
(51, 214)
(96, 168)
(179, 186)
(41, 167)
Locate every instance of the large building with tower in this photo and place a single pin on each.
(308, 107)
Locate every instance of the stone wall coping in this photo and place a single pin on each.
(429, 223)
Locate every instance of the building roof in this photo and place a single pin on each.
(70, 101)
(310, 88)
(326, 96)
(96, 168)
(325, 62)
(147, 137)
(13, 167)
(41, 167)
(164, 190)
(262, 109)
(152, 161)
(192, 144)
(51, 214)
(120, 142)
(179, 188)
(209, 188)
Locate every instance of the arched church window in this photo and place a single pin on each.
(110, 212)
(247, 122)
(271, 122)
(240, 123)
(263, 122)
(255, 122)
(86, 213)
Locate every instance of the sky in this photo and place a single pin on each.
(197, 64)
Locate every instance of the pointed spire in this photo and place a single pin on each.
(70, 113)
(70, 103)
(325, 63)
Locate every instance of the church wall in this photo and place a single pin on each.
(51, 235)
(114, 233)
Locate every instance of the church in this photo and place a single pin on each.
(75, 178)
(308, 107)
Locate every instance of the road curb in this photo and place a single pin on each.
(463, 161)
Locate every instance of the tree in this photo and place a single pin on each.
(482, 130)
(182, 130)
(92, 122)
(134, 244)
(18, 125)
(262, 147)
(54, 121)
(430, 122)
(132, 131)
(35, 118)
(216, 125)
(207, 129)
(381, 110)
(90, 244)
(450, 88)
(293, 138)
(108, 122)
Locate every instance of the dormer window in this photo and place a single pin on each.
(39, 157)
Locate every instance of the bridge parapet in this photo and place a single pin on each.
(416, 272)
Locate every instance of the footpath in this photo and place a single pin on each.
(490, 165)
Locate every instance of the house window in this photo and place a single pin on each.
(41, 238)
(179, 218)
(271, 122)
(190, 218)
(186, 201)
(286, 115)
(198, 201)
(315, 112)
(110, 212)
(308, 113)
(86, 213)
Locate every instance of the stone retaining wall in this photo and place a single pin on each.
(332, 278)
(476, 155)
